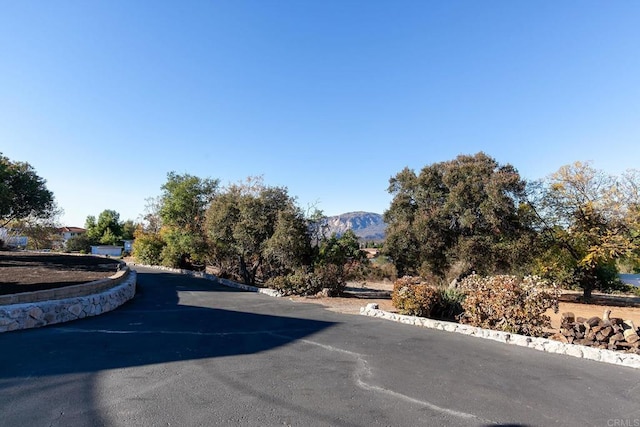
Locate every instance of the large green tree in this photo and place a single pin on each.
(455, 217)
(107, 230)
(256, 232)
(589, 221)
(22, 193)
(183, 203)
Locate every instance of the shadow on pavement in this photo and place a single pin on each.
(153, 328)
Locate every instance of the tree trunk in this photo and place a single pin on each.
(587, 281)
(246, 276)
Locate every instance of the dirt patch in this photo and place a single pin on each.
(30, 271)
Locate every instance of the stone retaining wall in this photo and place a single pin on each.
(84, 289)
(102, 297)
(542, 344)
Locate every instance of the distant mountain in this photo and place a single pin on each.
(367, 226)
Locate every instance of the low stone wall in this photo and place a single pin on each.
(542, 344)
(84, 289)
(103, 296)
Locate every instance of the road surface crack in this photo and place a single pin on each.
(363, 374)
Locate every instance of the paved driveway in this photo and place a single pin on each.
(186, 352)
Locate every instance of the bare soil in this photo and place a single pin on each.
(34, 271)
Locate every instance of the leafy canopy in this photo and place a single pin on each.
(458, 216)
(256, 232)
(22, 193)
(182, 206)
(107, 230)
(589, 221)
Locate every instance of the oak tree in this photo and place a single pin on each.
(256, 232)
(458, 216)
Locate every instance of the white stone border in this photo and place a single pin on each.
(213, 278)
(42, 313)
(541, 344)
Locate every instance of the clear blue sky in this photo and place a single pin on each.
(328, 98)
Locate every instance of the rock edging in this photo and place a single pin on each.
(42, 313)
(89, 288)
(541, 344)
(224, 282)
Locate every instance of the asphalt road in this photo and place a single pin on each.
(186, 352)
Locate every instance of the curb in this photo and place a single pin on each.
(536, 343)
(224, 282)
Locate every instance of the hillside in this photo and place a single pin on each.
(367, 226)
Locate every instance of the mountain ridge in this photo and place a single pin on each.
(368, 226)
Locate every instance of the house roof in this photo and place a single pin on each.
(71, 230)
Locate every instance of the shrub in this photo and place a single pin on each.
(379, 269)
(449, 304)
(291, 284)
(328, 276)
(413, 297)
(147, 249)
(80, 243)
(508, 303)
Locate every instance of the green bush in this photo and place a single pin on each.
(147, 249)
(79, 243)
(449, 306)
(291, 284)
(413, 297)
(328, 276)
(508, 303)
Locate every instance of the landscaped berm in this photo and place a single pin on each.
(34, 271)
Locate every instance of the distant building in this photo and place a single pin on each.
(10, 238)
(107, 250)
(68, 232)
(128, 245)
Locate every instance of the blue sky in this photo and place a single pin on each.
(328, 98)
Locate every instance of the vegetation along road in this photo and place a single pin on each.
(187, 352)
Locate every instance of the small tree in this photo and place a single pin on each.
(128, 229)
(343, 253)
(184, 201)
(588, 222)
